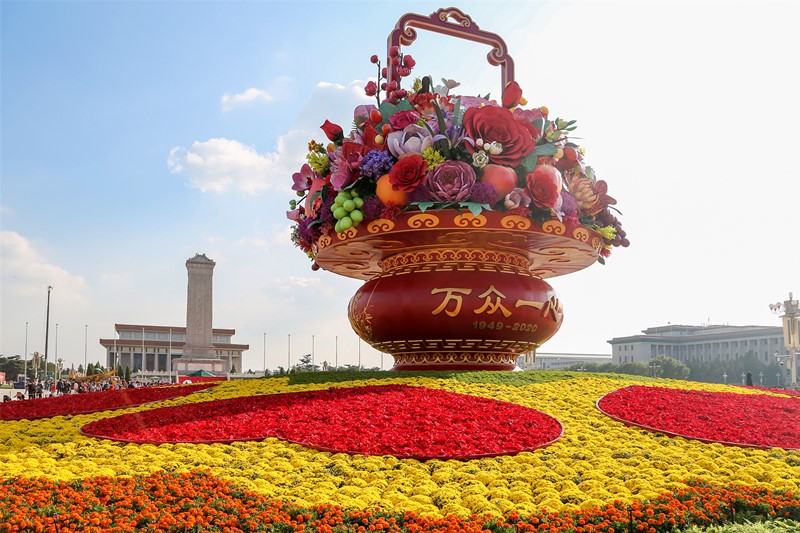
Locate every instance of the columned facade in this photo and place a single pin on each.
(161, 348)
(699, 343)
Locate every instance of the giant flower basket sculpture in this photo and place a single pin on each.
(453, 209)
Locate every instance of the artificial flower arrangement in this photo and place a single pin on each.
(427, 149)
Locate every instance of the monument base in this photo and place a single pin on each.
(186, 365)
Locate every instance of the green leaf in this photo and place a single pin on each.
(387, 110)
(545, 149)
(538, 124)
(404, 105)
(529, 161)
(439, 117)
(474, 207)
(601, 260)
(423, 206)
(458, 113)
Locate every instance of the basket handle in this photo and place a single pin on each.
(463, 28)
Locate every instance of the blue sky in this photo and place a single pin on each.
(136, 134)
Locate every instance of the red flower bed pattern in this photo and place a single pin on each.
(91, 402)
(399, 420)
(754, 420)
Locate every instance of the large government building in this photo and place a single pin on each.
(699, 343)
(160, 348)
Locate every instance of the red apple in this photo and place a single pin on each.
(503, 179)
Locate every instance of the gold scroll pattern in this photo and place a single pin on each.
(379, 225)
(515, 222)
(423, 220)
(468, 220)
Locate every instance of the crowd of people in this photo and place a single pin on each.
(39, 388)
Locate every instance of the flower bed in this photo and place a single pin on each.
(182, 502)
(596, 462)
(92, 402)
(398, 420)
(756, 420)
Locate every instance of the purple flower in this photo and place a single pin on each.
(376, 164)
(363, 110)
(412, 140)
(302, 179)
(308, 231)
(484, 193)
(451, 181)
(516, 198)
(568, 205)
(372, 207)
(325, 213)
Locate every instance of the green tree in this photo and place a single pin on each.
(127, 374)
(667, 367)
(305, 364)
(12, 365)
(233, 369)
(89, 369)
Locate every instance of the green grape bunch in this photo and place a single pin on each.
(346, 210)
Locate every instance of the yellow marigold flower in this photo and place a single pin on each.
(433, 157)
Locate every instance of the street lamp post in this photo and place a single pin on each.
(47, 329)
(777, 379)
(789, 311)
(725, 377)
(26, 351)
(265, 354)
(289, 351)
(86, 344)
(744, 377)
(761, 379)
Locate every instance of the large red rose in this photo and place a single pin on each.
(544, 186)
(408, 172)
(497, 124)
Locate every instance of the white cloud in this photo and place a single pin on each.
(25, 273)
(291, 282)
(220, 165)
(251, 95)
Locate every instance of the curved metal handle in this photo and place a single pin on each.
(463, 28)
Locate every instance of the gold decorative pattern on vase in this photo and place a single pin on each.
(515, 222)
(360, 322)
(554, 226)
(468, 220)
(423, 220)
(379, 225)
(580, 233)
(422, 359)
(324, 241)
(347, 234)
(452, 259)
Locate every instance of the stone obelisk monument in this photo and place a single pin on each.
(199, 352)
